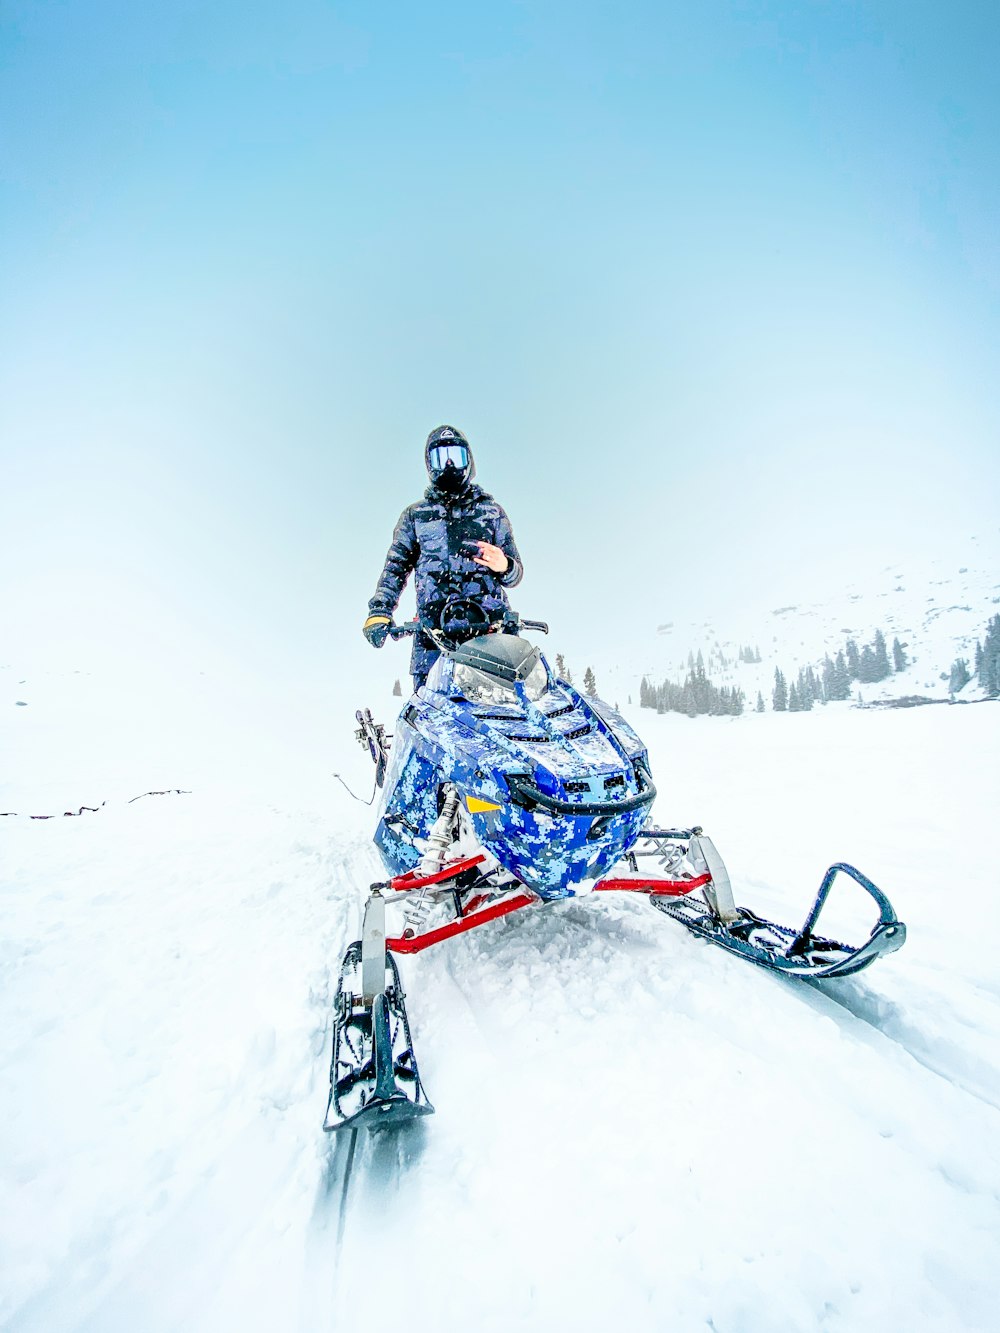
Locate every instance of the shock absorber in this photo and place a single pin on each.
(441, 835)
(440, 838)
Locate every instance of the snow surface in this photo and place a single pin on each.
(633, 1129)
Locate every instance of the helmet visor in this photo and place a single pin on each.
(440, 455)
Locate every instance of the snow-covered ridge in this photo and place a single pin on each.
(937, 610)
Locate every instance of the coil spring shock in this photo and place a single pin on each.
(440, 838)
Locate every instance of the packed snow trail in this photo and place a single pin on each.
(632, 1128)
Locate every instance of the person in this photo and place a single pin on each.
(460, 544)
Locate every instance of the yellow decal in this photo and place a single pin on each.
(477, 806)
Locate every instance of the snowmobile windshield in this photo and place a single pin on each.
(487, 668)
(440, 455)
(479, 687)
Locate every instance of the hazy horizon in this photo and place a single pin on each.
(713, 292)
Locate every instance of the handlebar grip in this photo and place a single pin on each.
(405, 630)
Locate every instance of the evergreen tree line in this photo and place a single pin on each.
(987, 664)
(871, 664)
(867, 665)
(800, 696)
(696, 695)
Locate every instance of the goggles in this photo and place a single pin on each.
(439, 456)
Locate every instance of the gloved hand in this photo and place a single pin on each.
(376, 629)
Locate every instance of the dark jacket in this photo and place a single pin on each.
(435, 537)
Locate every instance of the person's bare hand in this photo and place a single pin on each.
(492, 558)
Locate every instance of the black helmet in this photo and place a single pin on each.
(449, 459)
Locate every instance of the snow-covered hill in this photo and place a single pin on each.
(938, 609)
(632, 1129)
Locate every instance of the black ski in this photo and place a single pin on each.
(797, 953)
(374, 1080)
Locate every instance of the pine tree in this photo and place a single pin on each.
(589, 683)
(828, 678)
(760, 702)
(841, 678)
(806, 683)
(647, 695)
(899, 662)
(853, 660)
(960, 675)
(794, 703)
(989, 672)
(882, 667)
(779, 696)
(397, 691)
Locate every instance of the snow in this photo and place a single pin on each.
(632, 1129)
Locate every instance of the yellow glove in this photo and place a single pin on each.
(376, 629)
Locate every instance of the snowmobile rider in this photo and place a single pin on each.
(459, 541)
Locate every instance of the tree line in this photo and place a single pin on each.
(696, 695)
(987, 664)
(867, 665)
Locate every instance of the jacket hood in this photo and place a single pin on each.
(445, 435)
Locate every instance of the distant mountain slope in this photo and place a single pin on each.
(937, 609)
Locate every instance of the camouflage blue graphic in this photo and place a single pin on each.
(569, 750)
(436, 539)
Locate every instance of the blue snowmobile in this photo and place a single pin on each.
(504, 788)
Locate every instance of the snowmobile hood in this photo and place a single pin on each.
(550, 786)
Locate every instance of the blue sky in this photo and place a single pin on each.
(712, 288)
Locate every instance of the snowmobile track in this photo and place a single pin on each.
(886, 1018)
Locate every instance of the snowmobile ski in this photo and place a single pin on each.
(797, 953)
(374, 1081)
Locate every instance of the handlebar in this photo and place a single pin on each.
(411, 627)
(403, 631)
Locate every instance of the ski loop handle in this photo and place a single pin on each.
(886, 917)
